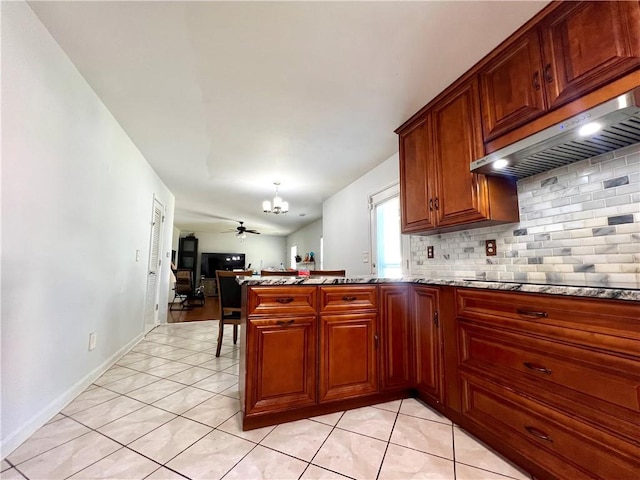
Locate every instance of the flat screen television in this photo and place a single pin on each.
(210, 262)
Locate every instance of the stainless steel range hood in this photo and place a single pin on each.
(562, 143)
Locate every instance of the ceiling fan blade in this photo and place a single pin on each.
(253, 231)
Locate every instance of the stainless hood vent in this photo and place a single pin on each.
(562, 144)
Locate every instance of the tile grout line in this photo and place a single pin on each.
(386, 448)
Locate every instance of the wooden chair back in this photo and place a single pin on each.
(230, 300)
(328, 273)
(285, 273)
(229, 291)
(184, 281)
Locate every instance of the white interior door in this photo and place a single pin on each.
(153, 272)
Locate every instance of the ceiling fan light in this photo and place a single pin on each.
(266, 206)
(285, 207)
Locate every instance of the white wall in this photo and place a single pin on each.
(260, 250)
(77, 199)
(345, 219)
(307, 240)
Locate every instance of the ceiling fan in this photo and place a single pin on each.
(242, 230)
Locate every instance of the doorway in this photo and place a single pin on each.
(151, 303)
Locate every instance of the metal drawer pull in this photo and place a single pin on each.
(348, 299)
(537, 368)
(284, 299)
(538, 433)
(532, 313)
(285, 322)
(536, 80)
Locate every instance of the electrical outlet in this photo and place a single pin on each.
(92, 340)
(430, 251)
(490, 247)
(365, 257)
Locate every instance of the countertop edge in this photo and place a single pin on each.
(629, 294)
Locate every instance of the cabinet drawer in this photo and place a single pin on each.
(600, 323)
(567, 447)
(281, 300)
(347, 299)
(600, 375)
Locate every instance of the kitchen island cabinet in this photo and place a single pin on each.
(348, 342)
(548, 377)
(281, 343)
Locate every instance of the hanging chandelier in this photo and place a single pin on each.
(277, 206)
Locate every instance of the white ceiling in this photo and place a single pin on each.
(224, 98)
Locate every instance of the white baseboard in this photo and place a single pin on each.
(14, 439)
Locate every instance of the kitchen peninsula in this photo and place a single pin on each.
(548, 375)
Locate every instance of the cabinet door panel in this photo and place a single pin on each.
(588, 44)
(428, 342)
(282, 352)
(461, 196)
(512, 87)
(348, 356)
(415, 190)
(395, 334)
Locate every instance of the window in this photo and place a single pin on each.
(389, 247)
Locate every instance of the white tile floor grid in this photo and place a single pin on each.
(169, 409)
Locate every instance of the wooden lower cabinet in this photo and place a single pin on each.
(550, 381)
(564, 445)
(553, 379)
(348, 356)
(282, 359)
(427, 342)
(396, 326)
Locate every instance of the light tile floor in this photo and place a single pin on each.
(169, 409)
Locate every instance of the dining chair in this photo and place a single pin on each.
(279, 273)
(185, 291)
(329, 273)
(230, 299)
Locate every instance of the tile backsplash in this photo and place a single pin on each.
(578, 223)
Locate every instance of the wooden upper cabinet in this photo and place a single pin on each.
(511, 87)
(588, 44)
(575, 49)
(438, 192)
(416, 178)
(461, 196)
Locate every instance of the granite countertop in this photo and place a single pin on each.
(629, 291)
